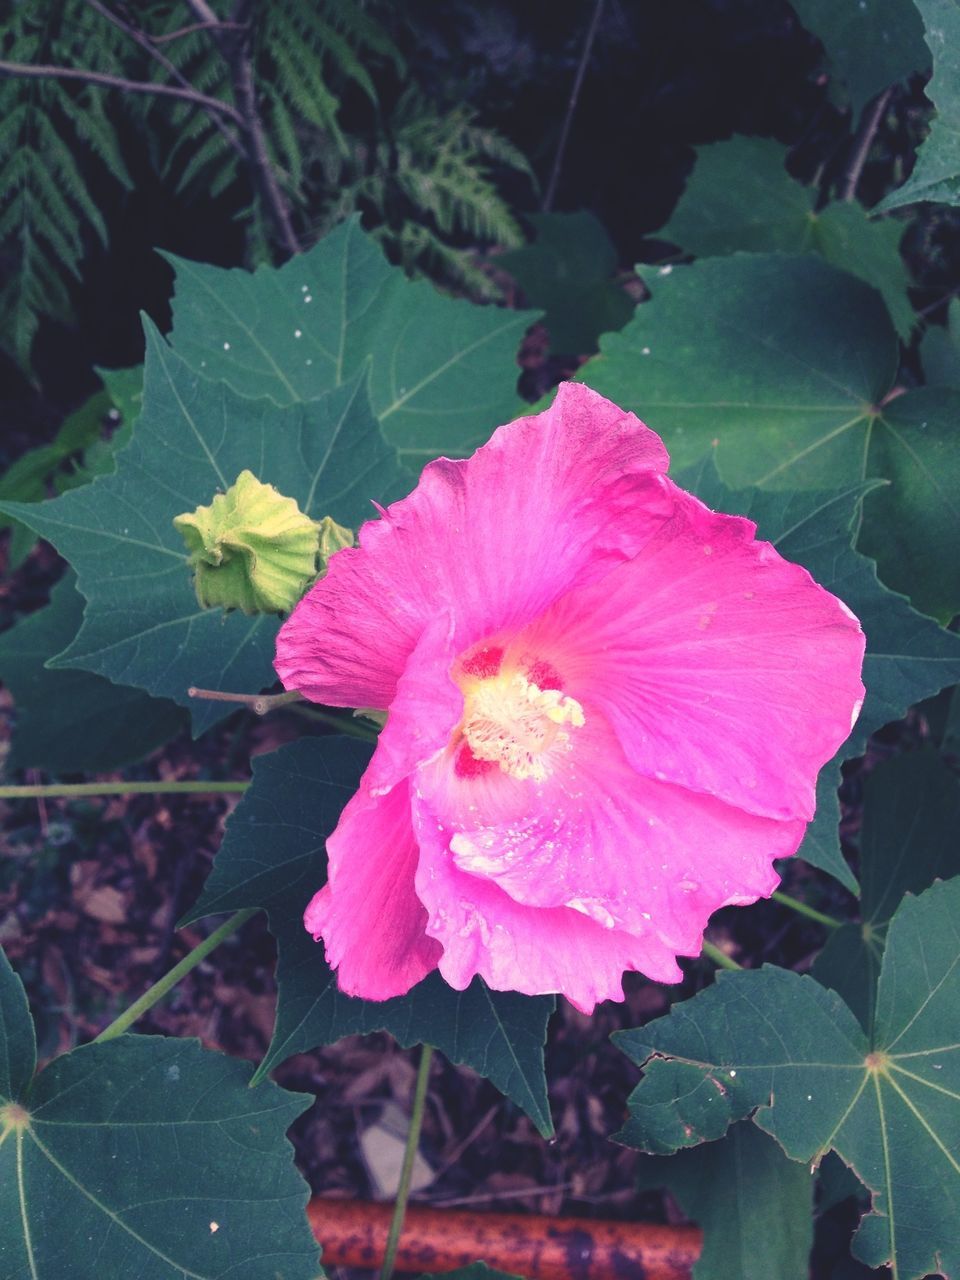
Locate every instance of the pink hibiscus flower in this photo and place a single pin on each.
(607, 709)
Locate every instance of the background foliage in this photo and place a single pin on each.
(791, 330)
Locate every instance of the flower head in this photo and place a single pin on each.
(608, 706)
(250, 549)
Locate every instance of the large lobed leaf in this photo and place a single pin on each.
(569, 270)
(911, 820)
(142, 624)
(740, 197)
(273, 857)
(936, 175)
(753, 1204)
(71, 721)
(143, 1157)
(776, 1045)
(443, 372)
(785, 365)
(871, 44)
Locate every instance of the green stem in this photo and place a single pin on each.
(345, 724)
(810, 912)
(406, 1171)
(63, 790)
(719, 957)
(169, 980)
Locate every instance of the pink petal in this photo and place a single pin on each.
(528, 949)
(424, 712)
(370, 919)
(720, 665)
(492, 540)
(634, 854)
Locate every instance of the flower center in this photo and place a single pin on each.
(512, 722)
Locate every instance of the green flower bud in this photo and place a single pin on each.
(333, 537)
(251, 549)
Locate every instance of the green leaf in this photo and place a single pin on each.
(18, 1045)
(754, 1205)
(912, 527)
(871, 44)
(151, 1157)
(936, 175)
(740, 197)
(778, 1046)
(27, 480)
(71, 721)
(142, 625)
(125, 388)
(741, 352)
(273, 857)
(568, 270)
(821, 843)
(443, 372)
(911, 816)
(940, 350)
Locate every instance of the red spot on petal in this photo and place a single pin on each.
(466, 764)
(544, 675)
(483, 662)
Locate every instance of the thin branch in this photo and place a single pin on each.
(43, 72)
(234, 48)
(144, 41)
(406, 1169)
(169, 980)
(551, 190)
(196, 26)
(865, 137)
(259, 703)
(205, 14)
(68, 790)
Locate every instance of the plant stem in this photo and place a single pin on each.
(864, 141)
(64, 790)
(345, 724)
(259, 703)
(811, 913)
(719, 957)
(406, 1171)
(571, 108)
(234, 47)
(169, 980)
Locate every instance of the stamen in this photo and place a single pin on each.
(512, 722)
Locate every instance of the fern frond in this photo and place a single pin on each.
(442, 168)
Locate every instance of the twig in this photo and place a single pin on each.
(40, 71)
(144, 41)
(159, 989)
(234, 48)
(868, 131)
(803, 909)
(551, 190)
(64, 790)
(406, 1169)
(259, 703)
(196, 26)
(719, 957)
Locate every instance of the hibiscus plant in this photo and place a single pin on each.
(558, 683)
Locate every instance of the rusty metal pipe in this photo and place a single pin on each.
(353, 1234)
